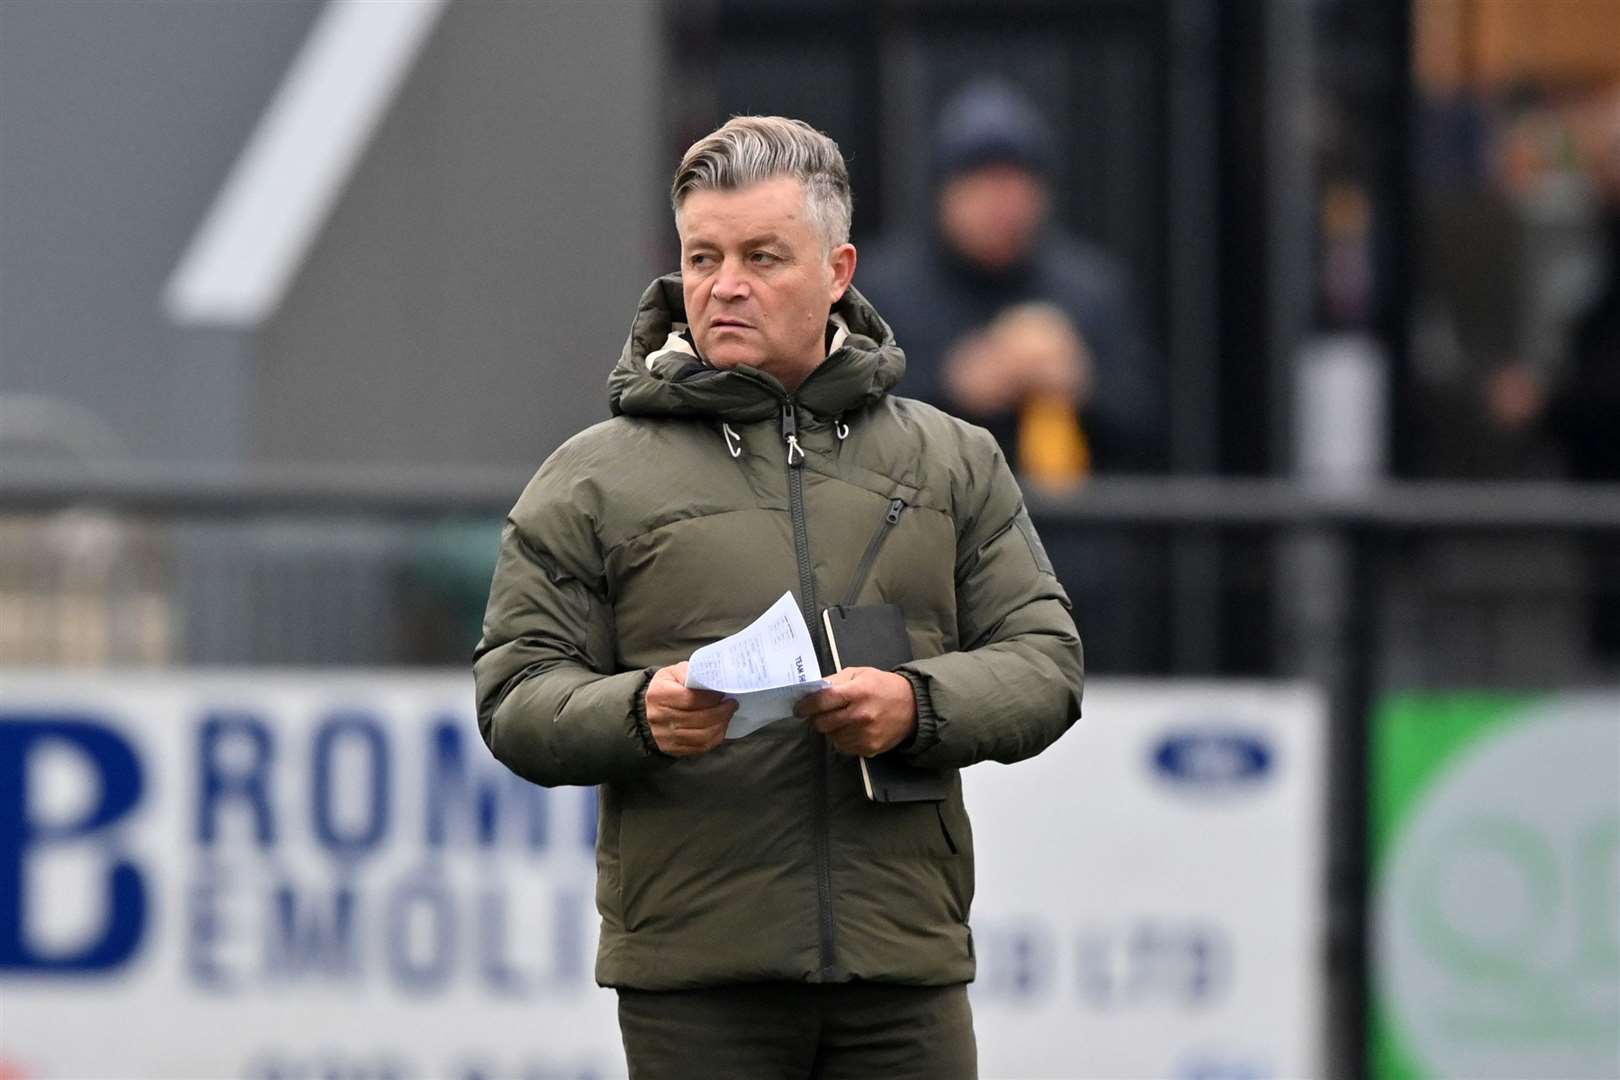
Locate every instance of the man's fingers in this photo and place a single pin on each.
(698, 719)
(685, 722)
(852, 741)
(703, 719)
(878, 712)
(837, 720)
(822, 701)
(843, 700)
(669, 686)
(850, 750)
(689, 707)
(674, 696)
(699, 699)
(690, 741)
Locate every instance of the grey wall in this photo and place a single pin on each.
(118, 121)
(465, 299)
(477, 280)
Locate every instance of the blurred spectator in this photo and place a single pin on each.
(1505, 258)
(1475, 244)
(1006, 319)
(1010, 322)
(1579, 413)
(1583, 415)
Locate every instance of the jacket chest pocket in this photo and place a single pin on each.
(908, 558)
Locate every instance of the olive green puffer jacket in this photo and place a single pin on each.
(678, 522)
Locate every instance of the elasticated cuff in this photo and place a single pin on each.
(927, 733)
(639, 711)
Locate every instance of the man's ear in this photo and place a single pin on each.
(842, 261)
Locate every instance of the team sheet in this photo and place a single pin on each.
(767, 666)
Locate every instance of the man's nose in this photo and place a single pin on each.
(731, 283)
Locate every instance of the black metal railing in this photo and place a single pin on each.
(1362, 591)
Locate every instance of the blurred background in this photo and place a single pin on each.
(295, 295)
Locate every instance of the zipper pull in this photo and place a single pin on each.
(895, 506)
(790, 433)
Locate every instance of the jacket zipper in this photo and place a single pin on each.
(890, 520)
(807, 602)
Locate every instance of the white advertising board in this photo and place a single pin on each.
(281, 876)
(1150, 889)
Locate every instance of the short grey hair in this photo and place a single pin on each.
(748, 149)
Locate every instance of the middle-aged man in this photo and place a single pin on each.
(761, 917)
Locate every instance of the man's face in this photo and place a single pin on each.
(991, 214)
(758, 284)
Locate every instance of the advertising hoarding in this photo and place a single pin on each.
(1496, 905)
(298, 874)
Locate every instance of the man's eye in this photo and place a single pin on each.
(763, 257)
(697, 260)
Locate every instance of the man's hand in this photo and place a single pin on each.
(1028, 349)
(1513, 397)
(1046, 349)
(978, 378)
(865, 712)
(685, 723)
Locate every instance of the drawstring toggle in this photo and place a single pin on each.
(790, 433)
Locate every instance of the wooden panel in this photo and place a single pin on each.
(1491, 43)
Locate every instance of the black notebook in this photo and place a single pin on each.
(874, 635)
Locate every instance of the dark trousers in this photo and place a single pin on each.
(800, 1031)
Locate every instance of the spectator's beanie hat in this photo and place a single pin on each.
(990, 123)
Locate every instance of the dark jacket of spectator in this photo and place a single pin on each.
(934, 295)
(1584, 416)
(933, 298)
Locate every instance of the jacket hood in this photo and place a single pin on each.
(860, 370)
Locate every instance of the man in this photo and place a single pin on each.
(760, 917)
(1007, 320)
(1581, 414)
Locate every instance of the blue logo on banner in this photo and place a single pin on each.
(424, 927)
(21, 838)
(1213, 760)
(1227, 1067)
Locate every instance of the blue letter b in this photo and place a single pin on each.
(114, 760)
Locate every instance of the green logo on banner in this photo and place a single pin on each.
(1497, 908)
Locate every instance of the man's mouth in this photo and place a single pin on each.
(736, 324)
